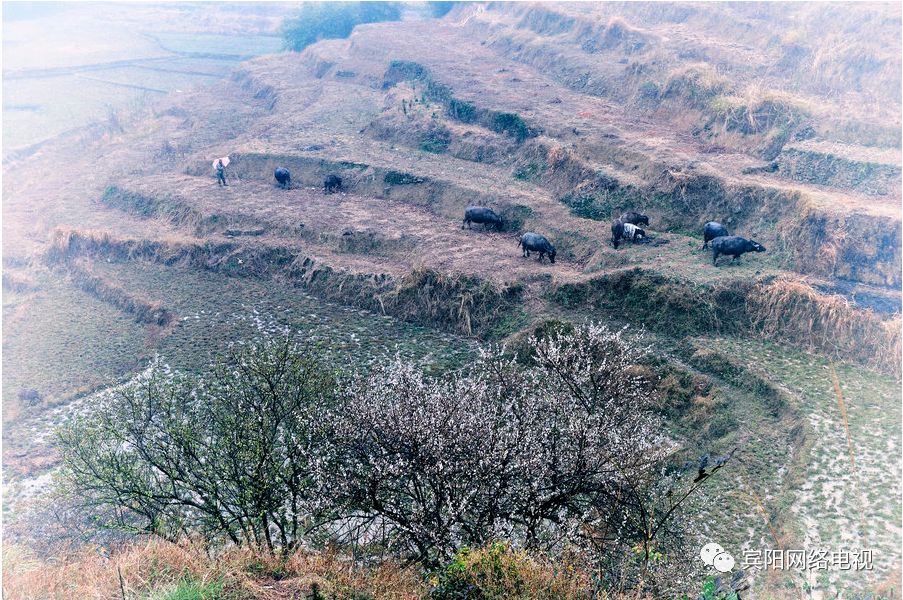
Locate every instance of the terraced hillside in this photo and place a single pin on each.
(119, 244)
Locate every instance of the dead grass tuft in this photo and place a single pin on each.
(342, 577)
(758, 111)
(782, 310)
(147, 568)
(696, 85)
(68, 243)
(152, 568)
(794, 311)
(95, 573)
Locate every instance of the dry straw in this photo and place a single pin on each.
(794, 311)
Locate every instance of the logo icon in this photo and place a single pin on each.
(715, 556)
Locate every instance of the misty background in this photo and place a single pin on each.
(66, 65)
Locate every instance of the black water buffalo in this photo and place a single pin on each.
(533, 242)
(711, 231)
(625, 231)
(332, 183)
(283, 177)
(481, 214)
(733, 245)
(617, 232)
(634, 218)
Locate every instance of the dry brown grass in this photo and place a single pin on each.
(65, 240)
(859, 67)
(459, 303)
(757, 110)
(498, 571)
(794, 311)
(169, 209)
(695, 85)
(12, 409)
(849, 246)
(144, 569)
(337, 576)
(94, 573)
(68, 243)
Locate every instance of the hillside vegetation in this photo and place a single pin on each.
(781, 121)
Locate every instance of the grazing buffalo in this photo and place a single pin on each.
(533, 242)
(711, 231)
(634, 218)
(332, 183)
(481, 214)
(283, 177)
(733, 245)
(617, 232)
(625, 231)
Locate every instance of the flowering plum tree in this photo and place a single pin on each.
(502, 449)
(556, 448)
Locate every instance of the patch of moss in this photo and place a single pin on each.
(399, 178)
(511, 124)
(527, 172)
(436, 140)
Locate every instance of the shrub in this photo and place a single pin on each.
(527, 172)
(399, 178)
(228, 455)
(649, 91)
(501, 450)
(436, 139)
(515, 215)
(30, 396)
(496, 571)
(330, 20)
(404, 70)
(511, 124)
(462, 111)
(558, 448)
(721, 588)
(697, 85)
